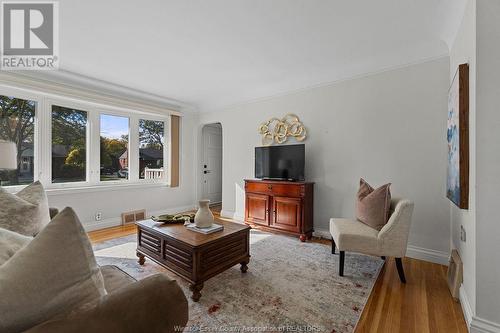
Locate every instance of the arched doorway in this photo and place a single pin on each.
(211, 177)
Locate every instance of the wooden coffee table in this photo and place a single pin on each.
(194, 256)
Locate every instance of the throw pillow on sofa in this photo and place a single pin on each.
(10, 243)
(53, 275)
(25, 212)
(373, 205)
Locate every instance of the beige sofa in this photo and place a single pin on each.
(155, 304)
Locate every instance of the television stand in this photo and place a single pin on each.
(277, 205)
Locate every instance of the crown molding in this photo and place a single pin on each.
(71, 84)
(362, 75)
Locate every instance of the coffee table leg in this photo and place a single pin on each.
(196, 288)
(244, 266)
(141, 257)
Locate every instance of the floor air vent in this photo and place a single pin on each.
(132, 217)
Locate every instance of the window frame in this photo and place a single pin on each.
(98, 156)
(166, 150)
(76, 106)
(38, 99)
(43, 141)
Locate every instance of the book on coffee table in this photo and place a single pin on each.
(213, 228)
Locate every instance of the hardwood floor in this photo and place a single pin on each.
(423, 304)
(110, 233)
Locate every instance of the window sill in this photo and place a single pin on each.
(68, 189)
(104, 187)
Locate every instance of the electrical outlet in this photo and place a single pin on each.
(98, 216)
(463, 234)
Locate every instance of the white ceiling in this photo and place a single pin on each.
(216, 53)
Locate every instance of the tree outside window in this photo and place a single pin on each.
(17, 124)
(114, 147)
(69, 135)
(151, 146)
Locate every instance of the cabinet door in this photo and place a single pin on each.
(287, 213)
(257, 208)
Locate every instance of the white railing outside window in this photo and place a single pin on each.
(153, 173)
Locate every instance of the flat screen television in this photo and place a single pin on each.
(280, 162)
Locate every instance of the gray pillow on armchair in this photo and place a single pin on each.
(373, 205)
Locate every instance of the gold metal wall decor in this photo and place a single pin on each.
(279, 130)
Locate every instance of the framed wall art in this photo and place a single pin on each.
(457, 183)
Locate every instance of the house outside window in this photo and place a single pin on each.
(151, 149)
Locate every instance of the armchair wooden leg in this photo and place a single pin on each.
(333, 246)
(341, 263)
(401, 272)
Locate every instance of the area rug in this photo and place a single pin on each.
(289, 287)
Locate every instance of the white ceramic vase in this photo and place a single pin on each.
(204, 217)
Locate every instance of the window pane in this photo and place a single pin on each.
(17, 124)
(114, 147)
(151, 140)
(69, 133)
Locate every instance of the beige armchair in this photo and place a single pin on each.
(354, 236)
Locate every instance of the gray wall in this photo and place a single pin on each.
(463, 51)
(386, 127)
(488, 161)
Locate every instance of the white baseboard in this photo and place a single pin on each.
(479, 325)
(438, 257)
(103, 224)
(116, 221)
(232, 215)
(476, 324)
(466, 308)
(238, 217)
(227, 214)
(415, 252)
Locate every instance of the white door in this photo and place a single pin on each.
(212, 163)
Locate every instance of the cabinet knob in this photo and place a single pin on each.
(269, 187)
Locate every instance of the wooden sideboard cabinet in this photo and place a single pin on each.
(280, 206)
